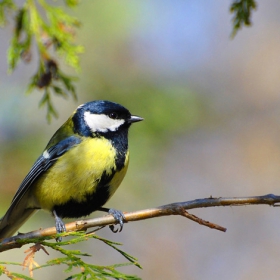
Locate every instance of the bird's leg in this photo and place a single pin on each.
(60, 226)
(118, 216)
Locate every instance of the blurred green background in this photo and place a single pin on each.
(212, 116)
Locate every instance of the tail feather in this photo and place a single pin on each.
(14, 218)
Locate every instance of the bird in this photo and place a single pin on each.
(81, 167)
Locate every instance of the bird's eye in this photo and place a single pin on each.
(113, 115)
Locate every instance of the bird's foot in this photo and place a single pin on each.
(59, 225)
(119, 217)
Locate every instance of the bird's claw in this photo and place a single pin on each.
(60, 227)
(119, 217)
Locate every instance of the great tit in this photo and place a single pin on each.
(80, 169)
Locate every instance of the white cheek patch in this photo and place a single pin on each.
(101, 123)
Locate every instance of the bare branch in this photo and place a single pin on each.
(178, 208)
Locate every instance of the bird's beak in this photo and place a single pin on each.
(134, 119)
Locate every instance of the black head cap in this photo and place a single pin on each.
(102, 116)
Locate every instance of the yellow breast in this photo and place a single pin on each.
(77, 173)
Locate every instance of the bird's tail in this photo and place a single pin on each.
(12, 221)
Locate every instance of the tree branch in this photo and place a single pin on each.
(178, 208)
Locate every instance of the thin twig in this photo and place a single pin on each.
(177, 208)
(201, 221)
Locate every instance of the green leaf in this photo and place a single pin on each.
(21, 40)
(72, 258)
(72, 3)
(242, 10)
(6, 6)
(52, 30)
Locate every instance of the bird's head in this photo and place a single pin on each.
(101, 117)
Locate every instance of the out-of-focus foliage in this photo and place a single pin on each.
(53, 32)
(242, 10)
(6, 6)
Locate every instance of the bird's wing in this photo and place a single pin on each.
(18, 211)
(43, 163)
